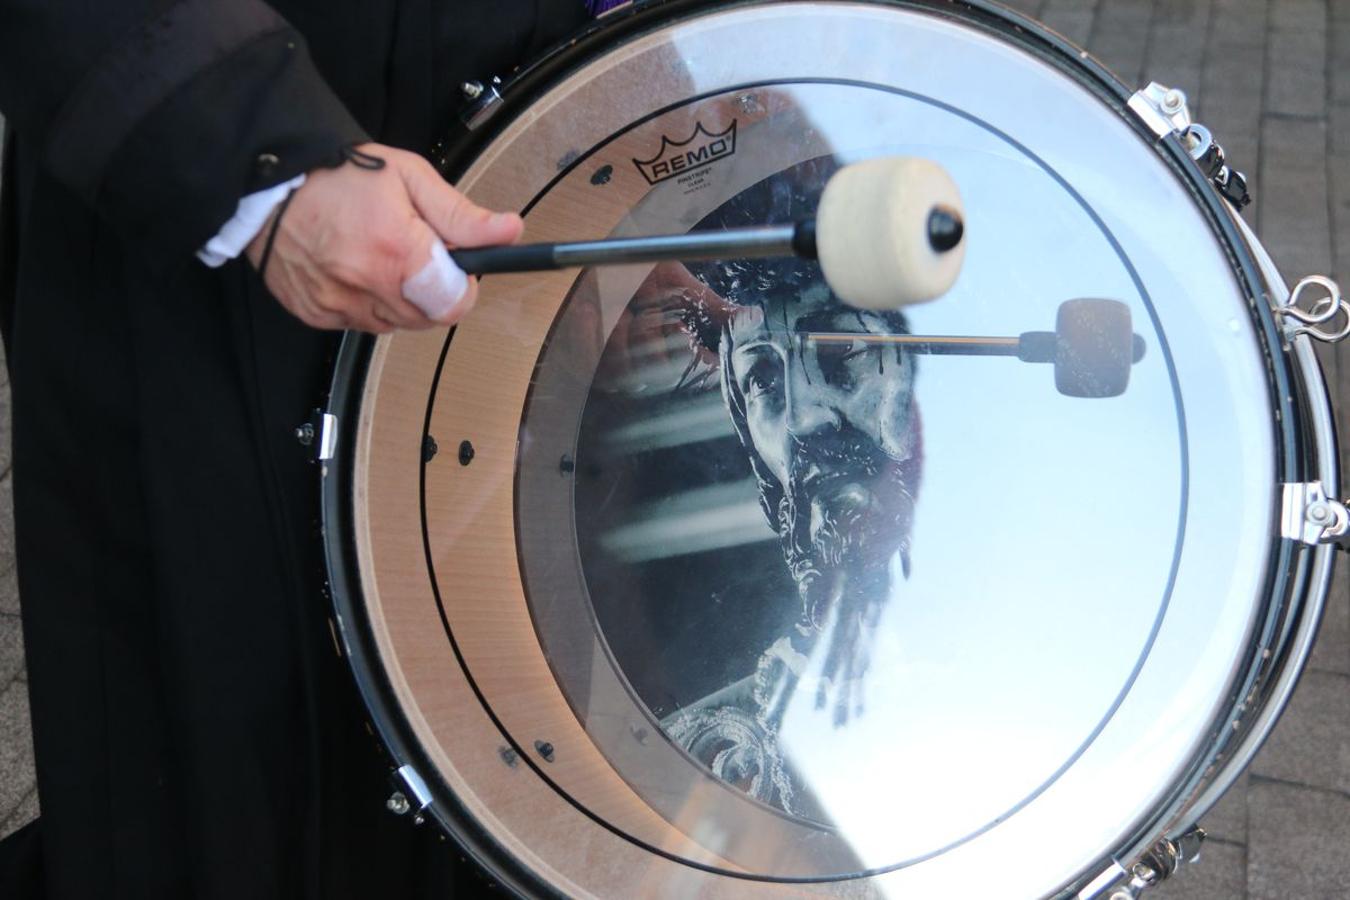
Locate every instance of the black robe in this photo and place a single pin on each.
(196, 733)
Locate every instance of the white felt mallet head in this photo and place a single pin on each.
(890, 232)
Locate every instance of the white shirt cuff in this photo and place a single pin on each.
(249, 219)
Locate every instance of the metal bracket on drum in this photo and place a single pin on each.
(484, 100)
(1162, 109)
(1310, 516)
(320, 432)
(414, 797)
(1155, 866)
(1300, 317)
(1165, 112)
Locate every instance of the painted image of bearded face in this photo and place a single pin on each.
(830, 428)
(777, 379)
(829, 425)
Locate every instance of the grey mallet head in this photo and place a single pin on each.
(890, 232)
(1095, 348)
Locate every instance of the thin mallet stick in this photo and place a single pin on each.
(736, 243)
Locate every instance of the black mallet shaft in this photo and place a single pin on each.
(888, 232)
(768, 240)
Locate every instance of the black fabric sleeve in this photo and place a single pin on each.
(161, 114)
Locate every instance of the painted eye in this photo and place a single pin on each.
(835, 358)
(762, 379)
(761, 385)
(857, 348)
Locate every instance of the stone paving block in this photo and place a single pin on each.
(1240, 22)
(1025, 7)
(6, 455)
(9, 592)
(1227, 819)
(1338, 133)
(1338, 182)
(26, 812)
(1294, 224)
(1071, 18)
(1220, 874)
(1231, 87)
(1338, 57)
(6, 523)
(11, 649)
(1180, 29)
(17, 776)
(1296, 77)
(1120, 37)
(1311, 743)
(1181, 13)
(1300, 843)
(1176, 47)
(1298, 14)
(1244, 154)
(1175, 54)
(1331, 653)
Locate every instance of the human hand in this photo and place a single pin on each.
(356, 242)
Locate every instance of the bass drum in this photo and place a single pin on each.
(687, 581)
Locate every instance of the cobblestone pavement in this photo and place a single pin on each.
(1271, 78)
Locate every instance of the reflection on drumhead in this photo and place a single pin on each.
(690, 554)
(831, 438)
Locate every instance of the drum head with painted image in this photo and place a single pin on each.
(691, 579)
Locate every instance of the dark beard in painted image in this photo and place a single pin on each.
(844, 516)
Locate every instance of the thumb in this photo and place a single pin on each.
(458, 220)
(433, 283)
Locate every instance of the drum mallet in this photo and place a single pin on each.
(888, 232)
(1092, 347)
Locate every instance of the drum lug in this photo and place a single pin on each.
(320, 432)
(1311, 318)
(1209, 156)
(484, 101)
(1154, 867)
(412, 797)
(1311, 517)
(1164, 111)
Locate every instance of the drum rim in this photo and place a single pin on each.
(386, 718)
(1300, 613)
(1300, 419)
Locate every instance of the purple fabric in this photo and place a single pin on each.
(596, 7)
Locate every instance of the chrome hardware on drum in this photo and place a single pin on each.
(687, 580)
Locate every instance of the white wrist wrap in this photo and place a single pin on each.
(249, 218)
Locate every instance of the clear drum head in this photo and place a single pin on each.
(690, 577)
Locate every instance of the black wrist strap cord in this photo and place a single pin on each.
(348, 154)
(272, 230)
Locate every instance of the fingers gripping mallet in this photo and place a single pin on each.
(1092, 347)
(888, 232)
